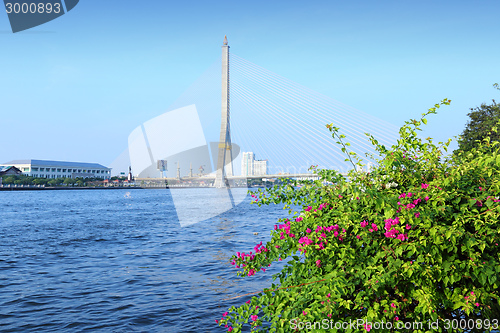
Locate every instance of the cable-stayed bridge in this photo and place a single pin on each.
(278, 120)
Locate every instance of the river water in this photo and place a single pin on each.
(119, 261)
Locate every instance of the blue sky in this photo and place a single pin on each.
(74, 88)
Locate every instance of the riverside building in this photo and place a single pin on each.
(60, 169)
(252, 167)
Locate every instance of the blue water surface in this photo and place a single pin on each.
(119, 261)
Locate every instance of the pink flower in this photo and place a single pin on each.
(298, 219)
(364, 224)
(393, 305)
(248, 302)
(417, 215)
(305, 240)
(367, 327)
(254, 317)
(408, 227)
(329, 315)
(426, 198)
(308, 208)
(230, 329)
(396, 318)
(358, 237)
(472, 293)
(328, 295)
(308, 230)
(216, 321)
(476, 304)
(318, 263)
(224, 314)
(304, 313)
(410, 206)
(424, 186)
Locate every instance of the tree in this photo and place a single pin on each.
(413, 241)
(68, 181)
(40, 181)
(9, 180)
(482, 120)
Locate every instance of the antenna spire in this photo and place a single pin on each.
(225, 40)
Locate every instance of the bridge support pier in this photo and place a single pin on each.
(224, 157)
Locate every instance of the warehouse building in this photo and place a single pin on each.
(60, 169)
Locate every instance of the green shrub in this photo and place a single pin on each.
(414, 242)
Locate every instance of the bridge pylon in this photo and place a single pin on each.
(224, 157)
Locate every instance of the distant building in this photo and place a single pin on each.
(9, 171)
(252, 167)
(260, 167)
(247, 164)
(60, 169)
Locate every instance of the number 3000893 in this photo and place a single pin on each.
(33, 8)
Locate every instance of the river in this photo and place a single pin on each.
(119, 261)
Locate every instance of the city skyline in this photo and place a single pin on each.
(73, 91)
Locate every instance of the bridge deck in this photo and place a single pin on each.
(212, 177)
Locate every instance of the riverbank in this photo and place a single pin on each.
(34, 188)
(42, 188)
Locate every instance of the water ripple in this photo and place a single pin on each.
(75, 261)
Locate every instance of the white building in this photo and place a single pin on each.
(260, 167)
(59, 169)
(247, 164)
(252, 167)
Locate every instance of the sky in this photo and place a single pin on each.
(74, 88)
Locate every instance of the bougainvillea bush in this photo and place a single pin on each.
(411, 245)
